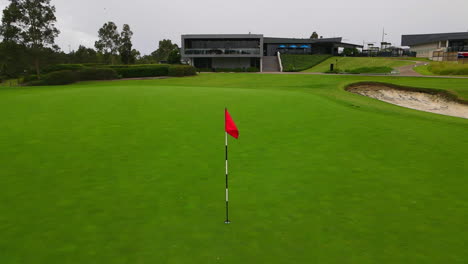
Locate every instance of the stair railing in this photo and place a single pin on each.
(280, 62)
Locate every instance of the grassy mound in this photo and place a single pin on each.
(133, 171)
(423, 69)
(352, 63)
(444, 68)
(296, 63)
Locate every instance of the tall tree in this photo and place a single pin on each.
(109, 41)
(135, 56)
(314, 35)
(14, 59)
(84, 55)
(145, 59)
(174, 57)
(9, 29)
(165, 48)
(32, 24)
(126, 45)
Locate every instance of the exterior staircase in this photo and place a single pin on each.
(270, 64)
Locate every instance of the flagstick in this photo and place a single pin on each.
(227, 190)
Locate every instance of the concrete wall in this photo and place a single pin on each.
(425, 50)
(231, 63)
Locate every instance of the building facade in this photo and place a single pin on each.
(227, 51)
(222, 51)
(432, 45)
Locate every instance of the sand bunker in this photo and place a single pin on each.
(419, 99)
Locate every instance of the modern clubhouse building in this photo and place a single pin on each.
(251, 50)
(432, 45)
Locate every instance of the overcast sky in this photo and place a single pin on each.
(355, 21)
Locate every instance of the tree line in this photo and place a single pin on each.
(28, 32)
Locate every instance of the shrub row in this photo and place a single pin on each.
(63, 67)
(181, 70)
(140, 71)
(89, 74)
(154, 70)
(132, 66)
(250, 69)
(67, 77)
(56, 78)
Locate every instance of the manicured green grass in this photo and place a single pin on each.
(423, 69)
(133, 172)
(441, 70)
(296, 63)
(413, 59)
(445, 68)
(351, 63)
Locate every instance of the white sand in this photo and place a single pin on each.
(414, 100)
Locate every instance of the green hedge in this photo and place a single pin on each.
(181, 70)
(142, 71)
(229, 70)
(94, 65)
(112, 72)
(63, 67)
(30, 78)
(57, 78)
(97, 74)
(68, 77)
(121, 66)
(250, 69)
(205, 70)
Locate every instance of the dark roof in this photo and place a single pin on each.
(221, 36)
(299, 41)
(349, 45)
(411, 40)
(267, 40)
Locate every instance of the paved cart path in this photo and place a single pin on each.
(409, 69)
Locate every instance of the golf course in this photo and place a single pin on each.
(132, 171)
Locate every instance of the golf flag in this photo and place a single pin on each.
(231, 129)
(230, 126)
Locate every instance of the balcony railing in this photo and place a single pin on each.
(222, 51)
(457, 48)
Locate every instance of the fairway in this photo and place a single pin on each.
(351, 63)
(133, 172)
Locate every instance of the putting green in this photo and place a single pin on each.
(133, 172)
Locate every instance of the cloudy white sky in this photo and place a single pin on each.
(355, 21)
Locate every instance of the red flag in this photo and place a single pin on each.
(230, 126)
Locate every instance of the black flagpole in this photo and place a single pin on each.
(227, 189)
